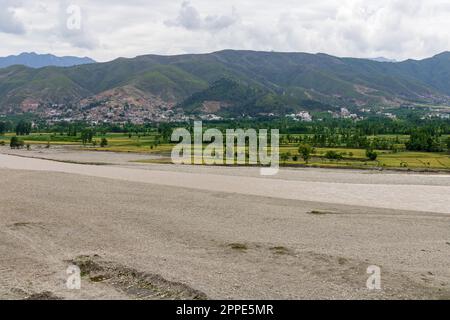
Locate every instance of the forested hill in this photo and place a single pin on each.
(233, 80)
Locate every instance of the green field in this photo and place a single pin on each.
(352, 158)
(386, 159)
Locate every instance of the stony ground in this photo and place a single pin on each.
(162, 232)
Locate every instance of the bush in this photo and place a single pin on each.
(103, 143)
(16, 143)
(284, 157)
(305, 151)
(2, 143)
(372, 155)
(333, 155)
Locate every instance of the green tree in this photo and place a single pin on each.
(305, 151)
(3, 127)
(423, 140)
(23, 128)
(86, 136)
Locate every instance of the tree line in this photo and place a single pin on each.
(425, 134)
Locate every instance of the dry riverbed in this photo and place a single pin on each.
(165, 232)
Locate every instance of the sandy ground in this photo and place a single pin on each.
(74, 154)
(146, 231)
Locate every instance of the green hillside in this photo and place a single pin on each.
(244, 81)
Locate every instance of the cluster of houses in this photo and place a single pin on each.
(345, 114)
(104, 113)
(301, 116)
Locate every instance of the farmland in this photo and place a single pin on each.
(151, 143)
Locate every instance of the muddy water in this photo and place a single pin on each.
(415, 197)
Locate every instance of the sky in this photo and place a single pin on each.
(107, 29)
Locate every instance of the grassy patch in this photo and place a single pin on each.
(416, 160)
(280, 250)
(319, 212)
(238, 246)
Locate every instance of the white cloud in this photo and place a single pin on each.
(190, 19)
(8, 20)
(397, 29)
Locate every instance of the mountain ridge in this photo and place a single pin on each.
(35, 60)
(280, 82)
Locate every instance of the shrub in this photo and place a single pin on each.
(16, 143)
(372, 155)
(103, 143)
(333, 155)
(305, 151)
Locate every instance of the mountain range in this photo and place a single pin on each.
(34, 60)
(228, 82)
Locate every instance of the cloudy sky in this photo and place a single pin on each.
(106, 29)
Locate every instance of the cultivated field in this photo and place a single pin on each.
(159, 152)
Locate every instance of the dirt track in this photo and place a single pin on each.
(183, 241)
